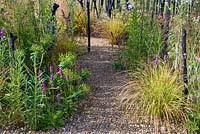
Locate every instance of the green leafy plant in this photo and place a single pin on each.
(144, 40)
(67, 60)
(11, 95)
(85, 74)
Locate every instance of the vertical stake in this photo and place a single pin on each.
(54, 9)
(88, 24)
(12, 44)
(184, 53)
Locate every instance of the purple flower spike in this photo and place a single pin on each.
(44, 87)
(57, 69)
(58, 97)
(148, 61)
(111, 34)
(156, 61)
(125, 36)
(2, 32)
(192, 98)
(40, 78)
(165, 58)
(118, 38)
(198, 78)
(52, 77)
(51, 69)
(67, 77)
(40, 74)
(60, 72)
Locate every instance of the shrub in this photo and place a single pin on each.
(67, 60)
(63, 45)
(156, 95)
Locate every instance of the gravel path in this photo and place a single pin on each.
(100, 112)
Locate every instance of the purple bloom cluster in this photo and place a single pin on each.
(148, 61)
(52, 77)
(111, 34)
(192, 98)
(165, 58)
(67, 77)
(57, 69)
(2, 33)
(156, 61)
(44, 87)
(51, 69)
(60, 72)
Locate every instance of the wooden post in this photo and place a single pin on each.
(109, 8)
(54, 9)
(12, 44)
(166, 28)
(81, 3)
(118, 5)
(88, 24)
(127, 4)
(184, 53)
(95, 7)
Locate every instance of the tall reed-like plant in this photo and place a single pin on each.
(12, 93)
(143, 40)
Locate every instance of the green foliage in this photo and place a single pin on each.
(144, 40)
(156, 93)
(11, 94)
(29, 94)
(63, 45)
(67, 60)
(51, 96)
(85, 74)
(31, 22)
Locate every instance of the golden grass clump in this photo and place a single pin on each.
(156, 95)
(114, 30)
